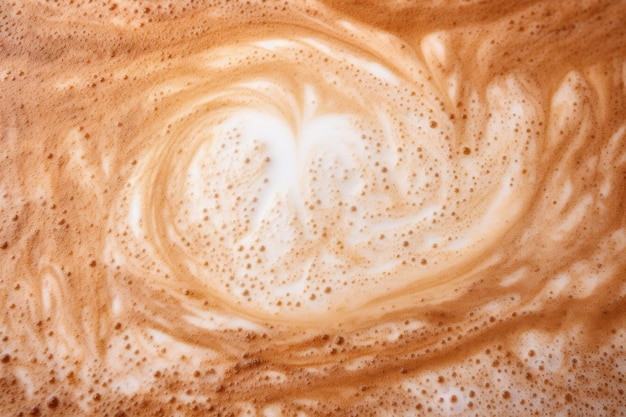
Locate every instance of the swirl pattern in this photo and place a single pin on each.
(305, 177)
(322, 208)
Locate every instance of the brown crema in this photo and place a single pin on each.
(313, 208)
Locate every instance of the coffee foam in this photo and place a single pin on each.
(418, 206)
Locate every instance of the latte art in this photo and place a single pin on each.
(228, 209)
(313, 180)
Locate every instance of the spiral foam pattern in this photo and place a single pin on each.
(319, 160)
(310, 209)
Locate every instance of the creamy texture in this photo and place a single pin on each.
(317, 208)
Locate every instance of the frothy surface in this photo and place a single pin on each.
(282, 209)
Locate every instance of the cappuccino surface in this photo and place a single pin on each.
(306, 208)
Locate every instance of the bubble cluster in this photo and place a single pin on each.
(312, 179)
(271, 208)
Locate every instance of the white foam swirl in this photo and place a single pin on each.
(306, 176)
